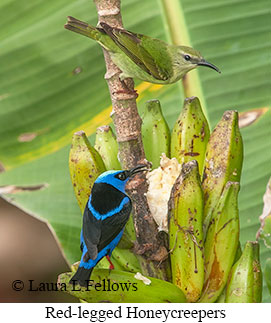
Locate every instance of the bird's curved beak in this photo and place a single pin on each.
(205, 63)
(138, 169)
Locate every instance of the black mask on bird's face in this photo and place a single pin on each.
(122, 177)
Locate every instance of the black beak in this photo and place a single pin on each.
(138, 169)
(205, 63)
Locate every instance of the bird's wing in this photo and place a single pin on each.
(112, 225)
(159, 54)
(134, 46)
(81, 246)
(98, 234)
(91, 233)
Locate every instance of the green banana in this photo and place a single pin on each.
(222, 296)
(190, 134)
(126, 259)
(107, 146)
(257, 273)
(221, 243)
(267, 274)
(238, 253)
(112, 287)
(223, 161)
(155, 133)
(185, 232)
(245, 281)
(85, 165)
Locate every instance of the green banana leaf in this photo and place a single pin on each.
(52, 84)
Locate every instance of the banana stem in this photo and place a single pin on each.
(128, 132)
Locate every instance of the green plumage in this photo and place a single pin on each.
(142, 57)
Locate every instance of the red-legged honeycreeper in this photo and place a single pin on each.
(142, 57)
(106, 213)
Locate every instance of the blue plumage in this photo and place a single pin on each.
(99, 216)
(107, 250)
(106, 213)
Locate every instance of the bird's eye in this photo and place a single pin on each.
(187, 57)
(121, 176)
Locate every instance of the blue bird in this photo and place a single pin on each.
(106, 213)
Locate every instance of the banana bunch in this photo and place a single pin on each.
(203, 218)
(193, 197)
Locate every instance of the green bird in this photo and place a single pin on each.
(142, 57)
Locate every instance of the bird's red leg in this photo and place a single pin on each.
(111, 265)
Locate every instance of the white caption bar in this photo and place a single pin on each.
(105, 312)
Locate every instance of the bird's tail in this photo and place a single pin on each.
(81, 276)
(82, 28)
